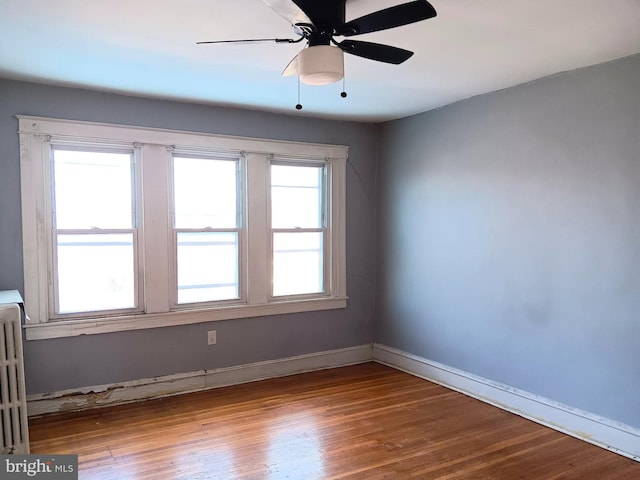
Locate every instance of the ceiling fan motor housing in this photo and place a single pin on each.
(320, 65)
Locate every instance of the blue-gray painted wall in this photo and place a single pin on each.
(58, 364)
(509, 237)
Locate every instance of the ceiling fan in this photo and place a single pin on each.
(320, 21)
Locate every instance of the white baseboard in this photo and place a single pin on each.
(136, 390)
(603, 432)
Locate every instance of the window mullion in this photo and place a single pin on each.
(156, 242)
(257, 221)
(328, 265)
(336, 223)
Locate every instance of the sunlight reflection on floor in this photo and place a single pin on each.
(295, 449)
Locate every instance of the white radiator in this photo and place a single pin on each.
(14, 431)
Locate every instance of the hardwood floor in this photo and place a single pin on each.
(359, 422)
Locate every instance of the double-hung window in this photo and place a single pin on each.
(127, 228)
(298, 229)
(94, 239)
(207, 228)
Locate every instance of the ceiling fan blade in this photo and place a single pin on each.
(391, 17)
(252, 40)
(291, 68)
(323, 13)
(288, 10)
(375, 51)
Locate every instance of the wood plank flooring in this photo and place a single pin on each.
(359, 422)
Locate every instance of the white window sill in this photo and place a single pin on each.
(73, 328)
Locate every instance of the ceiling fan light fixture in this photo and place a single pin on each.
(320, 65)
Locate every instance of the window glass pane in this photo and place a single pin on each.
(92, 189)
(207, 266)
(205, 193)
(297, 263)
(296, 196)
(95, 272)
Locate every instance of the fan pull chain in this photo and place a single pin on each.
(344, 90)
(298, 105)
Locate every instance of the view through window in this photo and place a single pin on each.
(94, 231)
(297, 221)
(207, 223)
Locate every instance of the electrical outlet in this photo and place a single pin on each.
(212, 338)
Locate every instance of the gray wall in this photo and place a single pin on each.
(96, 359)
(509, 237)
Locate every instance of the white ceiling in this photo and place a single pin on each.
(147, 47)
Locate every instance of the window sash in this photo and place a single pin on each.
(236, 158)
(326, 266)
(240, 278)
(322, 172)
(54, 294)
(88, 147)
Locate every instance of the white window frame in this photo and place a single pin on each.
(155, 148)
(240, 228)
(327, 241)
(49, 202)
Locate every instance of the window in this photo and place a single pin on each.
(94, 233)
(298, 228)
(207, 227)
(127, 228)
